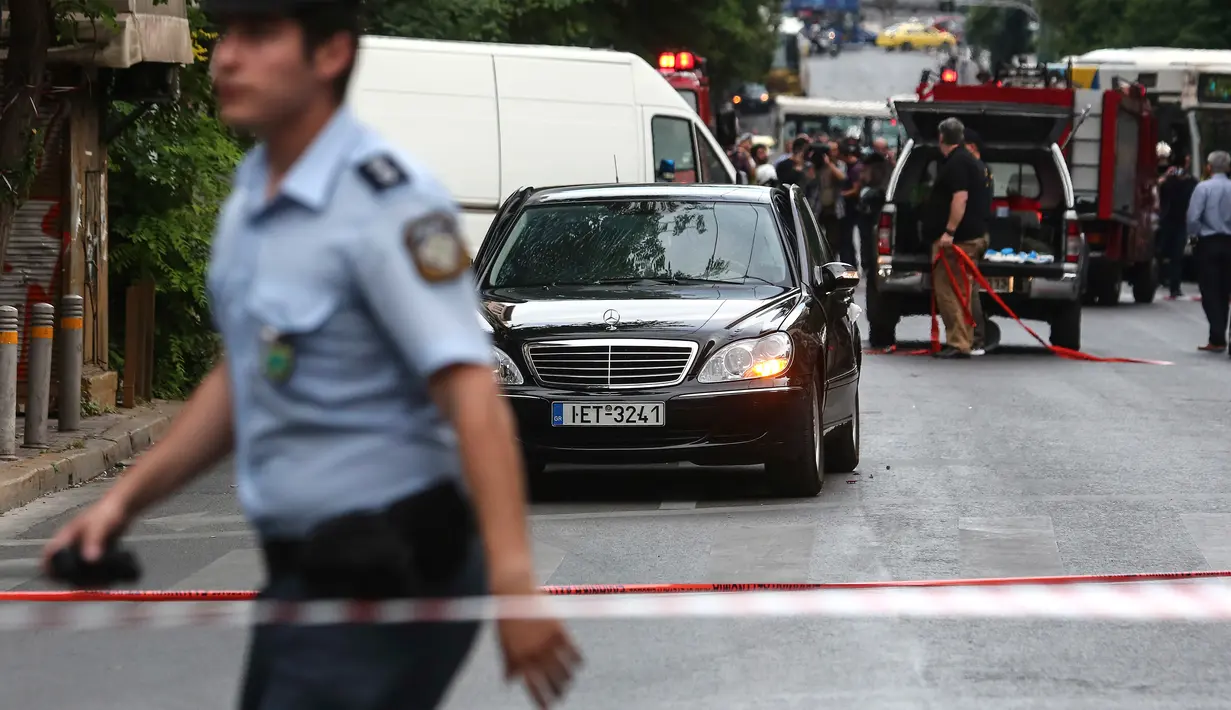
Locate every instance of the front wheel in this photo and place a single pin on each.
(1066, 326)
(882, 320)
(842, 444)
(801, 471)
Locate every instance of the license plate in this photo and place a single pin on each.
(1000, 284)
(607, 414)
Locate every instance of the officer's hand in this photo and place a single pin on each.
(946, 240)
(93, 529)
(542, 654)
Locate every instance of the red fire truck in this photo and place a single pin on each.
(1056, 234)
(1110, 151)
(685, 72)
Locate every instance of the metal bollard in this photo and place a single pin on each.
(10, 353)
(72, 311)
(38, 374)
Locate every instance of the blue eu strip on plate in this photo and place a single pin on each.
(557, 413)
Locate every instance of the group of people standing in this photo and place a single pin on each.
(843, 181)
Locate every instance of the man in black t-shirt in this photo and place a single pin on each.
(951, 225)
(981, 203)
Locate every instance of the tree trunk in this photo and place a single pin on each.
(24, 79)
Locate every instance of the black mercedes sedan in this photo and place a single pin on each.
(663, 323)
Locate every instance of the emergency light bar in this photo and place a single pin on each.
(677, 61)
(949, 76)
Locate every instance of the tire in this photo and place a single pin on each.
(907, 47)
(801, 473)
(842, 444)
(882, 320)
(1145, 282)
(1066, 326)
(1106, 286)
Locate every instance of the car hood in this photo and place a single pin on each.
(532, 313)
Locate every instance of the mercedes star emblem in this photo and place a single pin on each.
(611, 318)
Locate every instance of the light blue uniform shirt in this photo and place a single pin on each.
(1209, 212)
(325, 271)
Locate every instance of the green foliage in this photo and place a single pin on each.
(170, 170)
(734, 35)
(1004, 32)
(1075, 26)
(170, 173)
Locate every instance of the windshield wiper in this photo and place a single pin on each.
(637, 280)
(730, 282)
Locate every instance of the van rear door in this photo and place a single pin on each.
(1000, 125)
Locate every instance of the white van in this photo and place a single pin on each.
(490, 118)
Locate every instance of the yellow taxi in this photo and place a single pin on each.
(914, 35)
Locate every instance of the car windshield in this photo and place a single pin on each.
(652, 241)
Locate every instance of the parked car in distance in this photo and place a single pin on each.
(674, 323)
(909, 35)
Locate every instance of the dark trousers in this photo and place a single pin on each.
(1214, 270)
(868, 247)
(359, 667)
(1172, 239)
(832, 227)
(846, 239)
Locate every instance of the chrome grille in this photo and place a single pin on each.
(610, 364)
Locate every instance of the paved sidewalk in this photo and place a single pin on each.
(78, 456)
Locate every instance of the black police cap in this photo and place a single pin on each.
(273, 7)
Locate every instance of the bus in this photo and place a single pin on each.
(837, 119)
(1189, 90)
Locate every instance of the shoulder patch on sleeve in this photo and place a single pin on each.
(383, 173)
(436, 246)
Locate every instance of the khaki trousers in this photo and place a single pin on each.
(959, 333)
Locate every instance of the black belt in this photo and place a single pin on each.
(282, 557)
(407, 549)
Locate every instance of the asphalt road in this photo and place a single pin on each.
(865, 73)
(1013, 464)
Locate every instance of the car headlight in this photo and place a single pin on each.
(748, 360)
(506, 371)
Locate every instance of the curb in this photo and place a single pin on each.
(24, 481)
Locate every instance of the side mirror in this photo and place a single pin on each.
(836, 276)
(666, 170)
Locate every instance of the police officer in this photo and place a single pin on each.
(374, 456)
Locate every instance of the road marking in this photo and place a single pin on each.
(547, 559)
(678, 505)
(1211, 532)
(21, 564)
(237, 569)
(848, 550)
(19, 520)
(200, 519)
(774, 553)
(162, 537)
(1008, 547)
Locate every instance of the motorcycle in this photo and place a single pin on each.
(824, 40)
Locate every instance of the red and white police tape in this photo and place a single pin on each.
(1147, 597)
